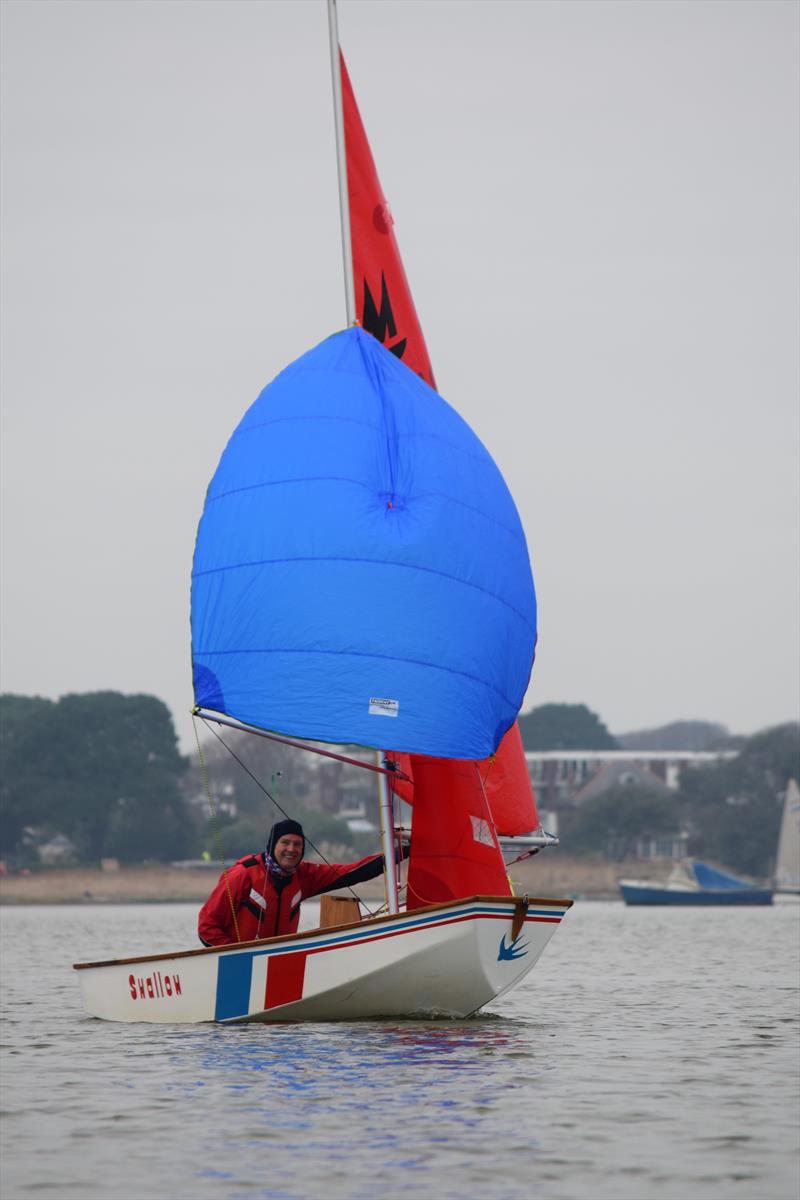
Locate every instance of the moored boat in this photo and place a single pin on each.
(694, 882)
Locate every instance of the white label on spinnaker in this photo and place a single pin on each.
(383, 708)
(481, 831)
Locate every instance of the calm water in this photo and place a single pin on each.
(648, 1055)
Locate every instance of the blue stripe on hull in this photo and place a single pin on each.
(234, 974)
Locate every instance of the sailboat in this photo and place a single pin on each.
(361, 577)
(787, 861)
(695, 883)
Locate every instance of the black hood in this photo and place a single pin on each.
(279, 830)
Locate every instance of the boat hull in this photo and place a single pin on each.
(443, 961)
(641, 894)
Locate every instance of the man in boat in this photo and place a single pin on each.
(261, 894)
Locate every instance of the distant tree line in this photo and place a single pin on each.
(104, 770)
(681, 735)
(564, 727)
(576, 727)
(101, 769)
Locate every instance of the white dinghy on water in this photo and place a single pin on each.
(361, 577)
(443, 961)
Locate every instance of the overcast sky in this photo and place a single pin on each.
(597, 206)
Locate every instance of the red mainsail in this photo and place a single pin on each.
(497, 791)
(383, 298)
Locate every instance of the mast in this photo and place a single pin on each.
(385, 804)
(341, 162)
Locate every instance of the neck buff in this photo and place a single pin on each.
(275, 870)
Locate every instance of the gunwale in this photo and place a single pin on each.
(332, 929)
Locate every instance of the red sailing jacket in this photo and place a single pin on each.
(264, 910)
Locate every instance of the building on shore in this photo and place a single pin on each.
(564, 780)
(563, 777)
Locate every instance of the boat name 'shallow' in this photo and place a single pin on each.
(155, 986)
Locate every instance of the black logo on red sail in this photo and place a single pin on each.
(380, 321)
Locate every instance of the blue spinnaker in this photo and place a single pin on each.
(360, 572)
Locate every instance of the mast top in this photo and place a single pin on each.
(341, 161)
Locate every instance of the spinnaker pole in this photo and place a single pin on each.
(341, 162)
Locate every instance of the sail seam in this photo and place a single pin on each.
(373, 562)
(315, 418)
(253, 487)
(483, 459)
(415, 662)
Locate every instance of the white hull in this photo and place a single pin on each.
(448, 960)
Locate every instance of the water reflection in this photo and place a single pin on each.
(296, 1051)
(404, 1092)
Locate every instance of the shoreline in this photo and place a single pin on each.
(550, 874)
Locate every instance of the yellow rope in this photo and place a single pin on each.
(215, 825)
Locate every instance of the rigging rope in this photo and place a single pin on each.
(215, 826)
(272, 800)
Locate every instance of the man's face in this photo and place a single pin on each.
(288, 850)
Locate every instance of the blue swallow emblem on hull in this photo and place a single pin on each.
(513, 951)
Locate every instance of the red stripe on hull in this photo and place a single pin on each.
(285, 975)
